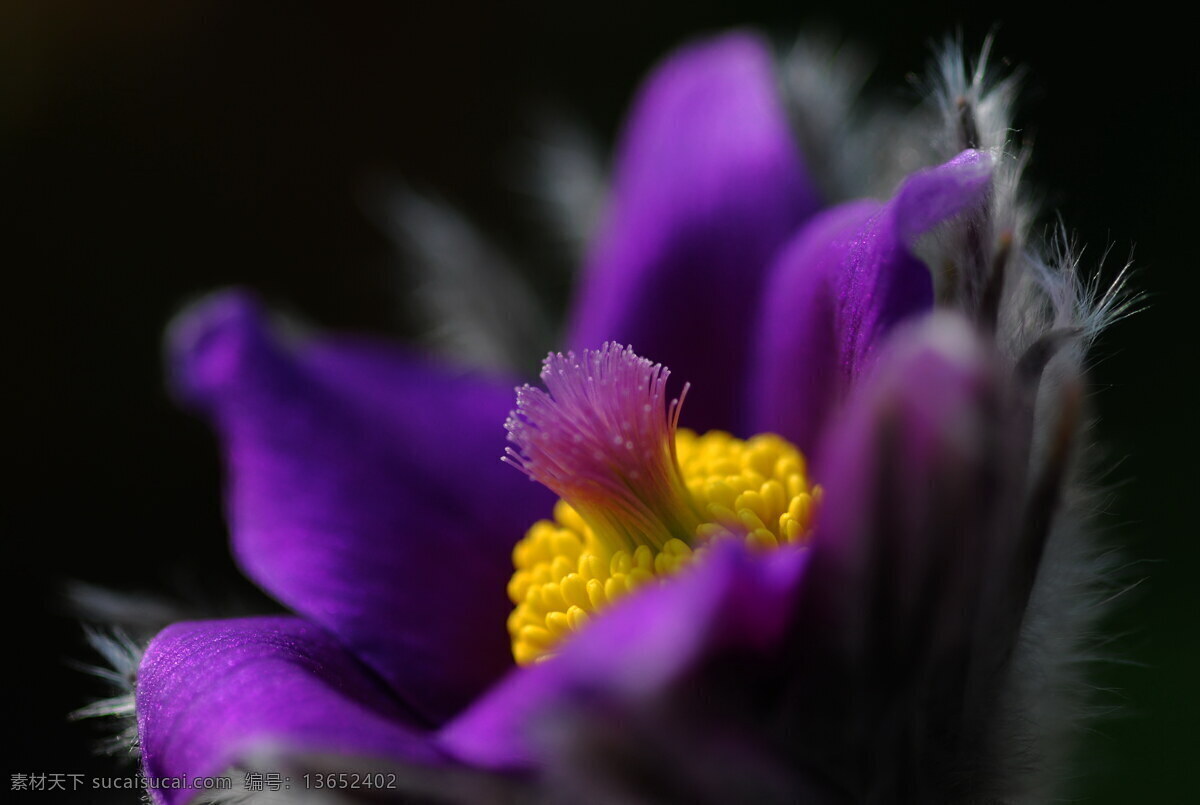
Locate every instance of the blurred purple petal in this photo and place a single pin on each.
(211, 693)
(840, 286)
(637, 649)
(366, 492)
(709, 184)
(898, 648)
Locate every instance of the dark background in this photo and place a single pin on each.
(151, 151)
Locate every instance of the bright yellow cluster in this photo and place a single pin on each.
(754, 489)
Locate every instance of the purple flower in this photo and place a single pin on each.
(704, 617)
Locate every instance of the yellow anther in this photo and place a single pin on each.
(750, 500)
(710, 531)
(643, 557)
(750, 520)
(721, 494)
(518, 585)
(754, 490)
(762, 539)
(566, 545)
(568, 518)
(574, 590)
(677, 547)
(799, 506)
(596, 595)
(722, 515)
(561, 566)
(552, 598)
(558, 624)
(794, 530)
(535, 635)
(526, 653)
(577, 617)
(773, 497)
(638, 576)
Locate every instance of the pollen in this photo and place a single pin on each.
(568, 569)
(639, 498)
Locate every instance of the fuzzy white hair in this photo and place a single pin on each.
(118, 626)
(121, 656)
(477, 306)
(563, 172)
(1045, 314)
(821, 78)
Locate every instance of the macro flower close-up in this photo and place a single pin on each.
(787, 489)
(868, 607)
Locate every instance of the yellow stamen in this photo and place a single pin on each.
(755, 490)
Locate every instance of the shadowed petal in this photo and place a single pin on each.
(636, 650)
(708, 185)
(212, 693)
(367, 493)
(902, 635)
(838, 288)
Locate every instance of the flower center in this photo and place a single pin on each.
(639, 498)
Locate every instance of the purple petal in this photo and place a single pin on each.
(366, 492)
(211, 693)
(709, 184)
(840, 286)
(636, 650)
(899, 645)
